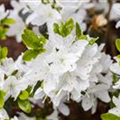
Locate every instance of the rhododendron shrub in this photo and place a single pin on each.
(63, 60)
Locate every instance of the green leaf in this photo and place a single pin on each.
(2, 100)
(79, 32)
(109, 116)
(36, 44)
(30, 39)
(115, 78)
(42, 41)
(24, 105)
(3, 52)
(56, 28)
(83, 37)
(3, 32)
(118, 56)
(92, 41)
(65, 28)
(30, 54)
(69, 24)
(117, 43)
(24, 95)
(8, 21)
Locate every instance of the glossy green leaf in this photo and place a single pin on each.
(24, 105)
(30, 54)
(30, 39)
(3, 52)
(8, 21)
(3, 32)
(2, 100)
(117, 42)
(109, 116)
(24, 95)
(65, 28)
(79, 32)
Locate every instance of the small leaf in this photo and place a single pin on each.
(118, 56)
(109, 116)
(3, 32)
(30, 54)
(24, 105)
(2, 100)
(36, 44)
(115, 78)
(30, 39)
(118, 44)
(8, 21)
(3, 52)
(65, 28)
(42, 41)
(56, 28)
(69, 24)
(92, 41)
(78, 31)
(24, 95)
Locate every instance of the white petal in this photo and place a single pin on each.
(87, 103)
(64, 109)
(39, 94)
(115, 111)
(104, 96)
(118, 24)
(116, 101)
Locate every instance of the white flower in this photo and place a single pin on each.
(32, 4)
(71, 83)
(1, 79)
(115, 68)
(17, 28)
(116, 109)
(87, 61)
(7, 66)
(61, 61)
(116, 8)
(3, 114)
(14, 118)
(43, 14)
(3, 13)
(74, 9)
(39, 94)
(68, 43)
(13, 86)
(93, 92)
(106, 62)
(64, 109)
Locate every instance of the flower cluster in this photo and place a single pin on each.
(60, 64)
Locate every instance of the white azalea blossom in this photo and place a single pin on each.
(115, 68)
(3, 13)
(116, 109)
(95, 91)
(100, 85)
(13, 87)
(17, 28)
(72, 68)
(116, 8)
(38, 17)
(3, 114)
(15, 118)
